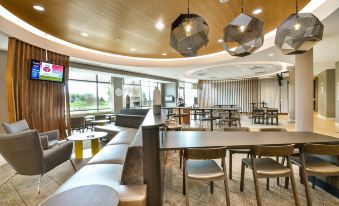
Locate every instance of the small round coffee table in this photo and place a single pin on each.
(84, 195)
(78, 142)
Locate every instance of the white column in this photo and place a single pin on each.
(304, 91)
(291, 95)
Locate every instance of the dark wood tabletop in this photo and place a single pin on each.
(186, 139)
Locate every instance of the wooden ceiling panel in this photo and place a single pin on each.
(120, 25)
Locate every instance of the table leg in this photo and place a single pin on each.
(78, 147)
(95, 146)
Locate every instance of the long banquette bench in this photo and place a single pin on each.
(119, 163)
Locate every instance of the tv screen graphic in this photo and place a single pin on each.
(46, 71)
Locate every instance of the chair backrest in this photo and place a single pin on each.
(100, 117)
(321, 149)
(193, 129)
(15, 127)
(77, 122)
(275, 151)
(205, 153)
(236, 129)
(272, 130)
(23, 152)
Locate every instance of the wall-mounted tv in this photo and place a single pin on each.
(46, 71)
(169, 98)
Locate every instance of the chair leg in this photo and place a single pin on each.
(230, 165)
(184, 181)
(255, 177)
(286, 182)
(39, 183)
(267, 184)
(73, 165)
(242, 177)
(313, 182)
(180, 154)
(8, 179)
(227, 193)
(304, 174)
(187, 193)
(294, 188)
(211, 187)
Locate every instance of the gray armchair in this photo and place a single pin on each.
(48, 139)
(23, 151)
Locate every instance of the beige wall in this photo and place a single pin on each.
(326, 93)
(3, 102)
(276, 96)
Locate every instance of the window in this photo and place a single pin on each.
(191, 93)
(89, 91)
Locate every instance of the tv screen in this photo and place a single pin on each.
(46, 71)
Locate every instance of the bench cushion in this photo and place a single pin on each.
(109, 175)
(111, 154)
(124, 137)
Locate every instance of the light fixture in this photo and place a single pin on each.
(257, 11)
(220, 40)
(164, 54)
(244, 35)
(270, 54)
(189, 32)
(132, 49)
(38, 8)
(84, 34)
(160, 25)
(299, 33)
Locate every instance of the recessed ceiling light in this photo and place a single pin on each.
(132, 49)
(84, 34)
(38, 8)
(220, 40)
(164, 54)
(257, 11)
(160, 25)
(271, 55)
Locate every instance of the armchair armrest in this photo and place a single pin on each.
(56, 156)
(52, 135)
(44, 141)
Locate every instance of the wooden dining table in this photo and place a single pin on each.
(188, 139)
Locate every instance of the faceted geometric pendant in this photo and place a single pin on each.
(299, 33)
(244, 35)
(189, 33)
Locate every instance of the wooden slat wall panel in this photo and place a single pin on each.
(240, 92)
(41, 103)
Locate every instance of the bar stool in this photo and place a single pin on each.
(236, 150)
(268, 167)
(199, 165)
(314, 166)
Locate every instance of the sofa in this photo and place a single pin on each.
(119, 163)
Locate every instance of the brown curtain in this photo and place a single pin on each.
(41, 103)
(239, 92)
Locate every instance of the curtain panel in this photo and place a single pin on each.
(41, 103)
(239, 92)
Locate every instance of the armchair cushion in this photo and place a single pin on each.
(15, 127)
(44, 141)
(52, 135)
(56, 156)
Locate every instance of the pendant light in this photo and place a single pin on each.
(244, 35)
(299, 33)
(189, 32)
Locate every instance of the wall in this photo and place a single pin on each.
(337, 96)
(169, 89)
(326, 93)
(3, 102)
(276, 96)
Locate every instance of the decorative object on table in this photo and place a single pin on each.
(128, 102)
(189, 32)
(156, 101)
(299, 33)
(244, 35)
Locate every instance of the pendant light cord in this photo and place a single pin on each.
(188, 8)
(242, 6)
(296, 6)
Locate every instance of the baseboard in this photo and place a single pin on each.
(325, 186)
(324, 117)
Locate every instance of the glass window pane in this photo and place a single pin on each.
(82, 95)
(81, 74)
(131, 81)
(105, 95)
(134, 93)
(147, 96)
(104, 78)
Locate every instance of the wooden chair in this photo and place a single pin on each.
(258, 116)
(78, 124)
(314, 166)
(268, 167)
(236, 150)
(200, 166)
(272, 114)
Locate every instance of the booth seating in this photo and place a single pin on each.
(119, 164)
